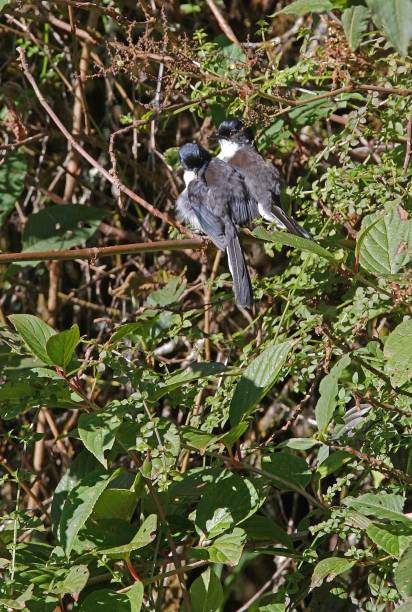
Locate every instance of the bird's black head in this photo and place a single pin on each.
(234, 130)
(193, 156)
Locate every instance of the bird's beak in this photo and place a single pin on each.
(214, 136)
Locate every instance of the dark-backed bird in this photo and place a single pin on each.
(263, 180)
(214, 190)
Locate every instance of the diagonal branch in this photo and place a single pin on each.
(112, 179)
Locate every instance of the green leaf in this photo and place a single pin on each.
(328, 390)
(79, 505)
(61, 227)
(300, 7)
(98, 432)
(290, 468)
(394, 19)
(168, 294)
(293, 241)
(329, 568)
(82, 465)
(258, 378)
(35, 334)
(393, 539)
(73, 581)
(103, 600)
(298, 443)
(261, 528)
(206, 593)
(12, 174)
(331, 464)
(398, 354)
(382, 505)
(193, 372)
(383, 245)
(115, 504)
(355, 19)
(403, 574)
(142, 538)
(226, 504)
(135, 596)
(194, 482)
(197, 438)
(60, 347)
(228, 547)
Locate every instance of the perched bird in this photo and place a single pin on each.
(213, 191)
(263, 180)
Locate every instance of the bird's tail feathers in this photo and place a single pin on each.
(242, 286)
(290, 224)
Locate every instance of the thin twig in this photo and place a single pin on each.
(151, 209)
(408, 144)
(223, 24)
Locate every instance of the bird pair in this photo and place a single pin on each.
(228, 191)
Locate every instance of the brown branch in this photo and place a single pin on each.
(93, 253)
(376, 464)
(18, 143)
(151, 209)
(408, 144)
(223, 24)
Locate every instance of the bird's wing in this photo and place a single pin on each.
(202, 204)
(229, 187)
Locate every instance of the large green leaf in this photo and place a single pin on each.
(262, 528)
(393, 539)
(115, 504)
(398, 354)
(97, 432)
(142, 538)
(226, 504)
(394, 19)
(383, 245)
(60, 227)
(258, 378)
(228, 547)
(60, 347)
(35, 334)
(355, 19)
(300, 7)
(206, 593)
(103, 600)
(382, 505)
(403, 574)
(329, 568)
(12, 173)
(291, 468)
(293, 241)
(181, 377)
(328, 390)
(72, 581)
(79, 505)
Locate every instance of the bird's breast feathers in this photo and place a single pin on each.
(228, 149)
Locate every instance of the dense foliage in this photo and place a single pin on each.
(162, 449)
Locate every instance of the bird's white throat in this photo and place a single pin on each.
(228, 148)
(189, 176)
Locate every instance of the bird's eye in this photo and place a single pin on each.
(231, 134)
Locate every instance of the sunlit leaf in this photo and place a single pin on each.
(35, 334)
(258, 378)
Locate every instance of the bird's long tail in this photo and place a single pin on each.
(242, 286)
(290, 224)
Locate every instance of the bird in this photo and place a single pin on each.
(213, 191)
(263, 180)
